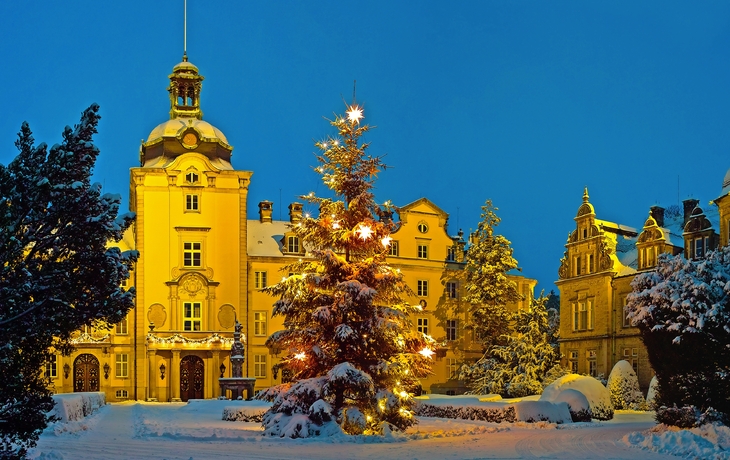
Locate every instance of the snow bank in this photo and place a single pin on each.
(578, 405)
(707, 441)
(598, 396)
(75, 406)
(473, 408)
(249, 411)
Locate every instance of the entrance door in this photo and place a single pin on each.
(192, 371)
(86, 373)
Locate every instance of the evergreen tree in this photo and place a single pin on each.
(57, 273)
(488, 289)
(351, 348)
(517, 368)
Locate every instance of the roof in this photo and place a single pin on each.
(264, 238)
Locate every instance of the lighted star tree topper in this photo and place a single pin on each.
(351, 350)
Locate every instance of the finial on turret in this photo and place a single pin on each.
(585, 195)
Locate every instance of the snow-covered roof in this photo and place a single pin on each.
(264, 238)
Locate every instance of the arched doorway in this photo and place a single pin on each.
(86, 373)
(192, 371)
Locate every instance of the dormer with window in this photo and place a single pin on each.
(653, 240)
(699, 236)
(585, 244)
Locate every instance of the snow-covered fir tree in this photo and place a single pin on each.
(624, 387)
(517, 368)
(351, 351)
(57, 274)
(488, 290)
(682, 311)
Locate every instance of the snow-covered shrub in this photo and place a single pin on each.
(542, 411)
(597, 395)
(623, 384)
(244, 413)
(75, 406)
(688, 416)
(578, 405)
(495, 413)
(651, 394)
(553, 374)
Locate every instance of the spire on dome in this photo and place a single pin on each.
(185, 86)
(585, 195)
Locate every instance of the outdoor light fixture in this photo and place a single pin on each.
(162, 371)
(222, 369)
(152, 326)
(66, 370)
(106, 370)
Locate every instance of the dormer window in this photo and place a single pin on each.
(293, 244)
(192, 178)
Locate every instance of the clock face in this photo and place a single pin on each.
(190, 140)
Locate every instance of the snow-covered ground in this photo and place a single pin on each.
(195, 431)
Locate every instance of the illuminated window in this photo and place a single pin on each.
(422, 288)
(592, 367)
(191, 202)
(259, 323)
(393, 249)
(122, 327)
(452, 329)
(122, 394)
(293, 244)
(452, 368)
(192, 178)
(51, 367)
(122, 365)
(422, 324)
(422, 251)
(259, 280)
(573, 361)
(452, 290)
(191, 254)
(192, 317)
(259, 366)
(583, 315)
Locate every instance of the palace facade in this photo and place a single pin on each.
(602, 258)
(202, 265)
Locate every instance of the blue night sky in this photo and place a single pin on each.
(522, 102)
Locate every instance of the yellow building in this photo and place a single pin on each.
(202, 266)
(601, 259)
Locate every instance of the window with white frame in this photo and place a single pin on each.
(192, 252)
(583, 315)
(452, 329)
(259, 366)
(52, 367)
(422, 288)
(192, 316)
(422, 251)
(422, 325)
(191, 202)
(393, 250)
(292, 244)
(122, 327)
(592, 366)
(452, 290)
(259, 279)
(452, 368)
(122, 365)
(259, 323)
(632, 356)
(122, 394)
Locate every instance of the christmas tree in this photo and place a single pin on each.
(488, 260)
(353, 357)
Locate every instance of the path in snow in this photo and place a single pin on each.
(175, 431)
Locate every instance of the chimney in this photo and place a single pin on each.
(657, 212)
(689, 205)
(265, 210)
(295, 212)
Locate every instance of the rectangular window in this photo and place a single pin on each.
(191, 202)
(577, 265)
(650, 262)
(627, 321)
(422, 325)
(122, 327)
(452, 329)
(452, 290)
(452, 368)
(423, 251)
(51, 367)
(632, 356)
(583, 315)
(122, 365)
(259, 323)
(293, 244)
(192, 316)
(589, 322)
(393, 249)
(590, 263)
(191, 254)
(592, 367)
(259, 366)
(573, 361)
(259, 280)
(451, 254)
(699, 247)
(422, 288)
